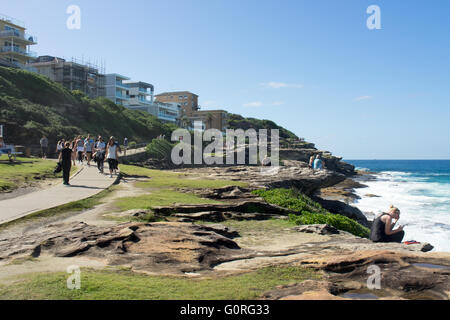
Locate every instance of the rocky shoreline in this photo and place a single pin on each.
(243, 233)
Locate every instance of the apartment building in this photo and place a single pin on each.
(211, 119)
(116, 90)
(140, 93)
(169, 112)
(15, 43)
(187, 100)
(72, 75)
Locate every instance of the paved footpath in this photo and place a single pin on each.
(84, 184)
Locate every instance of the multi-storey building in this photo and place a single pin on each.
(168, 112)
(72, 75)
(187, 100)
(140, 93)
(15, 43)
(116, 89)
(211, 119)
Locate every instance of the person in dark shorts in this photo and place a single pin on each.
(65, 157)
(88, 147)
(100, 149)
(383, 227)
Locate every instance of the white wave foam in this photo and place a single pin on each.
(425, 206)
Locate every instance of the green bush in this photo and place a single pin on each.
(132, 145)
(306, 211)
(340, 222)
(159, 149)
(290, 199)
(236, 121)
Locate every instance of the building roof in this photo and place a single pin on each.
(175, 93)
(139, 84)
(15, 22)
(118, 76)
(201, 112)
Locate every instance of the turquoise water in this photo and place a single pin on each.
(419, 188)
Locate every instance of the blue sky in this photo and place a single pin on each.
(311, 66)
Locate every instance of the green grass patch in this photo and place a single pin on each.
(290, 199)
(308, 211)
(340, 222)
(123, 285)
(18, 173)
(168, 179)
(163, 197)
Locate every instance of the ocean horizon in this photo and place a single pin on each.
(419, 188)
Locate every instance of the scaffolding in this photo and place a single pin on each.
(75, 74)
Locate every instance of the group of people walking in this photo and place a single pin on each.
(81, 149)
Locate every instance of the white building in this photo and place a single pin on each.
(141, 97)
(116, 89)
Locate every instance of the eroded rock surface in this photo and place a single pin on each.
(302, 178)
(156, 247)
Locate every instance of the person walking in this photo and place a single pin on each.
(112, 152)
(65, 158)
(44, 146)
(100, 148)
(59, 147)
(80, 149)
(125, 146)
(74, 153)
(88, 147)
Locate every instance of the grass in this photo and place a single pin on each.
(126, 285)
(306, 211)
(163, 185)
(168, 179)
(23, 171)
(161, 197)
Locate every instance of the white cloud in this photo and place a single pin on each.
(363, 98)
(278, 103)
(253, 104)
(278, 85)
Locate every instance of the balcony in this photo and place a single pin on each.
(18, 35)
(18, 50)
(166, 117)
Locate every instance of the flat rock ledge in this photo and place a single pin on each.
(167, 247)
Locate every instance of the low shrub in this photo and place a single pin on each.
(307, 211)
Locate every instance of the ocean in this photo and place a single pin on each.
(419, 188)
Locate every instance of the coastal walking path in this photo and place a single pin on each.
(86, 183)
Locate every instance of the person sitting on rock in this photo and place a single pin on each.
(311, 162)
(318, 163)
(383, 227)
